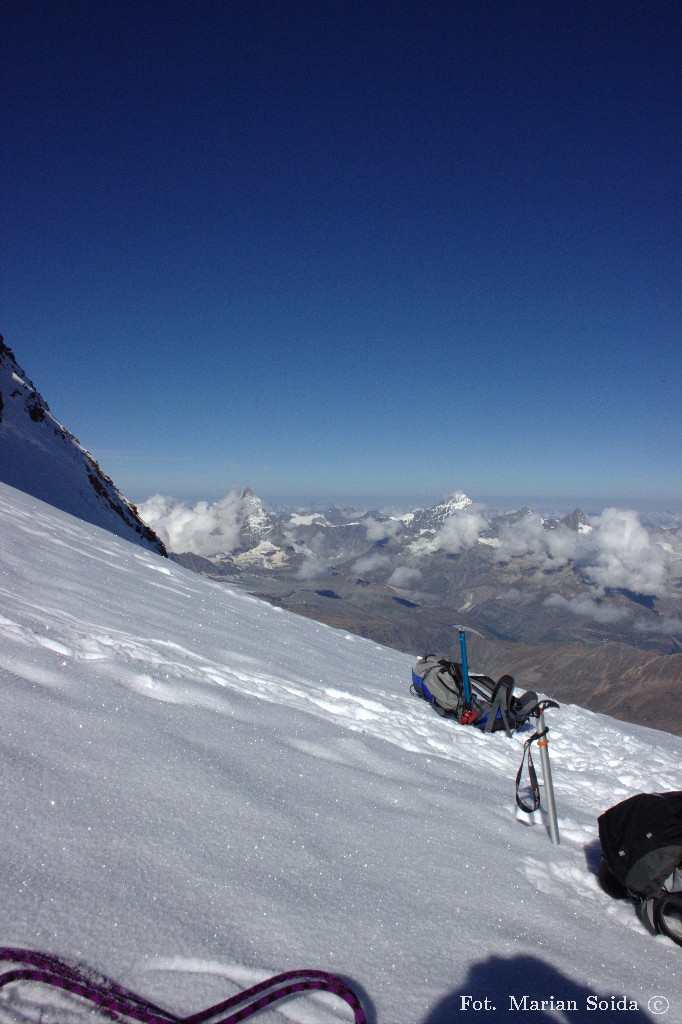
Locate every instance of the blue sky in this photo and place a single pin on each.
(351, 251)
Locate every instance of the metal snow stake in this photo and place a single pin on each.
(540, 737)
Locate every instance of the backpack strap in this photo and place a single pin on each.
(455, 670)
(668, 903)
(500, 701)
(532, 774)
(539, 737)
(524, 707)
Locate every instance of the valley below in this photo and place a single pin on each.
(544, 621)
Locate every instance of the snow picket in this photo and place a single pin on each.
(199, 790)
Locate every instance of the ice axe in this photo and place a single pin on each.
(463, 630)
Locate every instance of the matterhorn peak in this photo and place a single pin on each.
(255, 521)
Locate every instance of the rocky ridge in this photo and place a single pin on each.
(39, 456)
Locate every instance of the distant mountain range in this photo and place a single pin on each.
(516, 576)
(41, 457)
(587, 608)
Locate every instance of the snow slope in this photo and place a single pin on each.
(198, 790)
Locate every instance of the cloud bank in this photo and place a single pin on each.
(377, 530)
(313, 564)
(371, 562)
(462, 529)
(588, 606)
(528, 537)
(625, 556)
(404, 576)
(616, 553)
(205, 528)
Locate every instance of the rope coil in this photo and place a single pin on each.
(115, 1000)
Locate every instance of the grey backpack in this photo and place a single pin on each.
(491, 706)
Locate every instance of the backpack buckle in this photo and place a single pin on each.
(468, 717)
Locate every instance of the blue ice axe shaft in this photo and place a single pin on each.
(465, 667)
(463, 630)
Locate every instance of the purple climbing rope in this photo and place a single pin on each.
(118, 1003)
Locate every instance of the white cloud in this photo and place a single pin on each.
(624, 555)
(667, 624)
(587, 606)
(461, 530)
(205, 528)
(403, 576)
(529, 538)
(377, 530)
(311, 567)
(314, 565)
(617, 552)
(371, 562)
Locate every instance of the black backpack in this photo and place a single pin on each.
(641, 842)
(492, 705)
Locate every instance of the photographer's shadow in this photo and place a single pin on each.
(521, 983)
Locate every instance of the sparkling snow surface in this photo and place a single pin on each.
(198, 790)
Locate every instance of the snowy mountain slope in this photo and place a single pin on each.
(198, 790)
(38, 455)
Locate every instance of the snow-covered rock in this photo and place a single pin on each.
(40, 456)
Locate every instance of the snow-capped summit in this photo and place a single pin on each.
(255, 521)
(41, 457)
(431, 519)
(453, 503)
